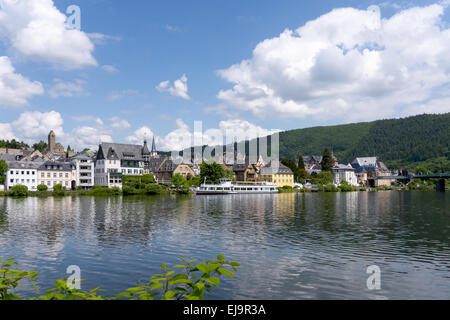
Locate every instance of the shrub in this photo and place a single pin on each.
(42, 187)
(330, 188)
(153, 189)
(59, 190)
(345, 187)
(19, 191)
(115, 191)
(127, 191)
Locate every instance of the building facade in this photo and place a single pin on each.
(51, 173)
(22, 173)
(372, 169)
(84, 166)
(343, 172)
(116, 160)
(278, 174)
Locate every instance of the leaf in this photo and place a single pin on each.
(225, 272)
(156, 286)
(213, 280)
(179, 266)
(235, 264)
(164, 267)
(202, 267)
(169, 295)
(220, 257)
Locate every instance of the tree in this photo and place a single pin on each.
(291, 165)
(3, 169)
(148, 179)
(327, 160)
(211, 172)
(178, 181)
(40, 146)
(302, 173)
(422, 171)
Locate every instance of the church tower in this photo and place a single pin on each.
(154, 153)
(51, 141)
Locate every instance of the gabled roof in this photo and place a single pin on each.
(117, 151)
(23, 165)
(271, 168)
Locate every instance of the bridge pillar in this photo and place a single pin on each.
(440, 185)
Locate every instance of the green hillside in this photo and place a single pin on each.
(422, 140)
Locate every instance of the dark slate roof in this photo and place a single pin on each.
(8, 157)
(81, 156)
(57, 166)
(145, 150)
(269, 169)
(23, 165)
(117, 151)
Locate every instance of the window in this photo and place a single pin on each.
(54, 175)
(28, 172)
(67, 175)
(60, 175)
(11, 172)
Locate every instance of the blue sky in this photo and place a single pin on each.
(140, 44)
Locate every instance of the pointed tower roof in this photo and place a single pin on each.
(145, 150)
(153, 145)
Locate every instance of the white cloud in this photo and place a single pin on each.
(141, 134)
(34, 126)
(179, 88)
(62, 88)
(116, 95)
(109, 68)
(118, 123)
(346, 65)
(100, 38)
(36, 30)
(15, 90)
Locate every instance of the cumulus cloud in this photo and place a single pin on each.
(36, 29)
(348, 64)
(178, 89)
(32, 126)
(15, 90)
(62, 88)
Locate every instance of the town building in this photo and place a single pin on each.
(168, 168)
(55, 150)
(370, 170)
(343, 172)
(313, 164)
(84, 166)
(22, 173)
(278, 174)
(116, 160)
(51, 173)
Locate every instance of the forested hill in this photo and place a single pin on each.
(422, 140)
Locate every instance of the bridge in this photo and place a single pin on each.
(439, 177)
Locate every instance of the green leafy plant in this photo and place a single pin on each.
(42, 188)
(10, 278)
(190, 284)
(59, 190)
(187, 281)
(19, 191)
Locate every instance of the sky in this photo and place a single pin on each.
(137, 69)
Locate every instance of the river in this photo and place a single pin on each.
(290, 246)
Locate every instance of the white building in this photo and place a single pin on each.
(85, 171)
(51, 173)
(22, 173)
(117, 160)
(343, 172)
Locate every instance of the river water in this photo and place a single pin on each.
(290, 246)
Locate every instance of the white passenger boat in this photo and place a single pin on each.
(226, 186)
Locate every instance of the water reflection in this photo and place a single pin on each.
(298, 246)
